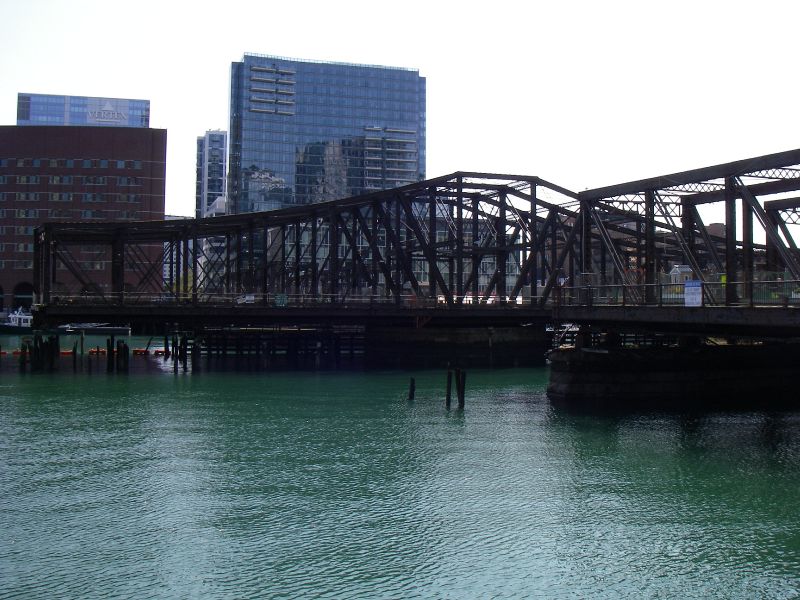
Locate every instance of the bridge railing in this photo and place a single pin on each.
(756, 293)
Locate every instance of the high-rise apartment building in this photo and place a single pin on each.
(211, 182)
(47, 109)
(305, 131)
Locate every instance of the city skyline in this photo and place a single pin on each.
(582, 94)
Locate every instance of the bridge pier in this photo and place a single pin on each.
(685, 375)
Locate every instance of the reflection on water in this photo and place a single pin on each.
(334, 485)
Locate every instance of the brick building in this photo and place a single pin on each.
(73, 173)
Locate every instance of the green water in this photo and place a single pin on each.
(334, 485)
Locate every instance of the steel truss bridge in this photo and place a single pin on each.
(467, 247)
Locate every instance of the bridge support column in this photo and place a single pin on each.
(747, 250)
(650, 273)
(731, 296)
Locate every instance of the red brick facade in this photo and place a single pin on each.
(71, 174)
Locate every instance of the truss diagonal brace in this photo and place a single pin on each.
(609, 243)
(769, 228)
(430, 254)
(565, 250)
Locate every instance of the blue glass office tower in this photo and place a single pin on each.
(307, 131)
(45, 109)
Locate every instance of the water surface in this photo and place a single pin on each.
(334, 485)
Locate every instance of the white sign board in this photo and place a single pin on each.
(693, 293)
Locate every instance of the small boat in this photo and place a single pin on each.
(19, 321)
(95, 329)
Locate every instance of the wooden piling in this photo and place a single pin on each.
(449, 389)
(412, 388)
(462, 389)
(109, 355)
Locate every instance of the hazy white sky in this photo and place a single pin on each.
(583, 94)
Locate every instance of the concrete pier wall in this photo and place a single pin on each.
(757, 376)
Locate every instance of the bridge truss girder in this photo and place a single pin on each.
(460, 238)
(666, 209)
(463, 238)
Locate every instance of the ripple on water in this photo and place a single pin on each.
(334, 486)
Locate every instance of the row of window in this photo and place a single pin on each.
(69, 197)
(71, 163)
(327, 120)
(67, 214)
(122, 181)
(280, 140)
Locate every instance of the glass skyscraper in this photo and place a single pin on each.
(306, 131)
(46, 109)
(211, 161)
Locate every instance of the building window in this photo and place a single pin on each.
(60, 213)
(92, 265)
(27, 196)
(61, 197)
(27, 213)
(23, 247)
(61, 179)
(3, 180)
(70, 163)
(93, 198)
(103, 163)
(87, 163)
(137, 164)
(120, 164)
(53, 163)
(91, 214)
(94, 180)
(128, 181)
(22, 265)
(28, 179)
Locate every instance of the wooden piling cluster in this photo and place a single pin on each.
(41, 353)
(294, 348)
